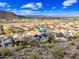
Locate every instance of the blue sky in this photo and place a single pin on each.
(41, 7)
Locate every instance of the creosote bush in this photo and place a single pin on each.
(72, 38)
(73, 44)
(58, 53)
(45, 41)
(20, 43)
(51, 45)
(34, 43)
(5, 51)
(51, 39)
(77, 47)
(35, 55)
(23, 43)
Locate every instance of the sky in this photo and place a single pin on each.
(41, 7)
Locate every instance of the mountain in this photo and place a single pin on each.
(7, 15)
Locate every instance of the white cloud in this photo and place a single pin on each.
(8, 9)
(64, 7)
(8, 6)
(14, 9)
(25, 12)
(74, 13)
(33, 5)
(39, 4)
(2, 4)
(28, 5)
(69, 3)
(53, 7)
(22, 12)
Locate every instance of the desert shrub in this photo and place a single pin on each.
(74, 56)
(51, 39)
(16, 43)
(69, 39)
(5, 51)
(77, 47)
(72, 38)
(34, 43)
(72, 43)
(58, 53)
(35, 55)
(51, 45)
(20, 43)
(45, 41)
(60, 35)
